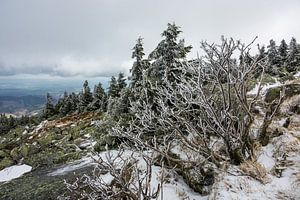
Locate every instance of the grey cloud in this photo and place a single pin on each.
(95, 37)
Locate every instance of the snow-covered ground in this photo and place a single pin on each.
(13, 172)
(174, 189)
(280, 160)
(234, 183)
(240, 186)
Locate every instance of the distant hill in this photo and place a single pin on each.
(22, 104)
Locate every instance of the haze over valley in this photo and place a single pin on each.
(26, 94)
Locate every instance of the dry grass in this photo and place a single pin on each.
(297, 175)
(254, 170)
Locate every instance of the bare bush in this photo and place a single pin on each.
(117, 176)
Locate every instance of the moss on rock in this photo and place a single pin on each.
(46, 139)
(15, 154)
(38, 185)
(6, 162)
(274, 93)
(24, 150)
(3, 154)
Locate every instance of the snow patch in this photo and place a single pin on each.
(13, 172)
(175, 189)
(266, 157)
(84, 162)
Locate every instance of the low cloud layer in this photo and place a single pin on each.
(94, 38)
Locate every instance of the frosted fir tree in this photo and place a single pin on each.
(74, 100)
(121, 83)
(67, 105)
(115, 94)
(49, 110)
(273, 57)
(113, 88)
(119, 107)
(139, 72)
(99, 98)
(86, 97)
(293, 56)
(168, 55)
(138, 65)
(294, 52)
(283, 50)
(60, 106)
(272, 53)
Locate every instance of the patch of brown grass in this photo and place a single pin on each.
(254, 170)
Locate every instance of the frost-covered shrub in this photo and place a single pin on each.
(117, 176)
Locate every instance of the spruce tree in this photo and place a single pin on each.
(139, 72)
(67, 105)
(283, 50)
(113, 88)
(121, 82)
(99, 99)
(138, 65)
(61, 105)
(272, 53)
(293, 56)
(11, 122)
(49, 110)
(86, 97)
(74, 101)
(168, 54)
(119, 107)
(294, 51)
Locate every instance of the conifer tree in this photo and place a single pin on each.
(49, 110)
(61, 104)
(138, 65)
(139, 73)
(293, 56)
(11, 121)
(294, 51)
(168, 54)
(121, 82)
(113, 88)
(99, 98)
(272, 53)
(74, 101)
(67, 105)
(86, 97)
(283, 50)
(119, 106)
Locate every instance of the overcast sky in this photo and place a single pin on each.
(95, 37)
